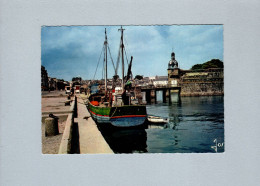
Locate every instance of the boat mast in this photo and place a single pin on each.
(105, 43)
(122, 51)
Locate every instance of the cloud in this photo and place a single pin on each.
(74, 50)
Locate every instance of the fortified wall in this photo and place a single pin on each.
(208, 82)
(202, 83)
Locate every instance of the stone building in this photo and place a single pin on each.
(160, 81)
(44, 79)
(195, 82)
(52, 83)
(174, 72)
(204, 82)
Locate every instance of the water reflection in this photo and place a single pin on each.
(175, 98)
(157, 126)
(193, 127)
(124, 140)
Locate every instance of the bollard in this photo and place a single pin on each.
(67, 102)
(51, 126)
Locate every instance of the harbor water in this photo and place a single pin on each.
(196, 125)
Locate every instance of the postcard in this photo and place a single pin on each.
(132, 89)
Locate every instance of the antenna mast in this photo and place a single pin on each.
(105, 43)
(122, 52)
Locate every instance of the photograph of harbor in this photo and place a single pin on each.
(132, 89)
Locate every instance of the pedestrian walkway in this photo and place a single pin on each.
(91, 140)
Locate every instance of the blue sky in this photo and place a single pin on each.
(70, 51)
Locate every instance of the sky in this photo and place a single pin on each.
(72, 51)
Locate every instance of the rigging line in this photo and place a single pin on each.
(129, 51)
(118, 59)
(127, 62)
(117, 65)
(114, 112)
(111, 57)
(98, 62)
(126, 57)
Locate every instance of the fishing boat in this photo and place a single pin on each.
(113, 106)
(157, 119)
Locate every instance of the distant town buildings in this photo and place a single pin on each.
(160, 81)
(49, 83)
(77, 80)
(192, 82)
(44, 79)
(52, 83)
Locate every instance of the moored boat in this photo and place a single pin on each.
(157, 119)
(116, 107)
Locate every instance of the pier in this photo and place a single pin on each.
(81, 134)
(78, 133)
(164, 89)
(90, 138)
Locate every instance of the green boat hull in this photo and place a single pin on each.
(122, 116)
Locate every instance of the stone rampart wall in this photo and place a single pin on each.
(202, 89)
(202, 83)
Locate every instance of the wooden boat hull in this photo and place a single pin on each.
(99, 114)
(128, 116)
(127, 121)
(122, 116)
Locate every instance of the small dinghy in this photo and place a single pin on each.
(156, 119)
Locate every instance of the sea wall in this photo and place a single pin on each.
(202, 89)
(203, 83)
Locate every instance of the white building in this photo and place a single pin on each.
(158, 83)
